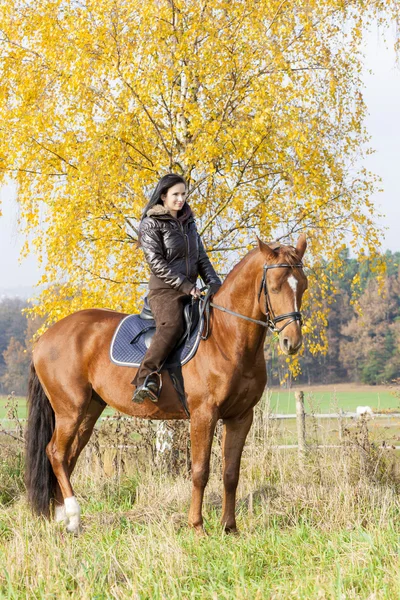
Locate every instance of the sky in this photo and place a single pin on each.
(382, 96)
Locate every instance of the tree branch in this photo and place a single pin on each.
(54, 153)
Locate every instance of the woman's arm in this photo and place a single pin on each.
(206, 270)
(151, 242)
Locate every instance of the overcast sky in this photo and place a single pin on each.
(382, 96)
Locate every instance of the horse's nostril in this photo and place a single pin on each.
(286, 343)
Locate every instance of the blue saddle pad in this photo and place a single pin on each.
(133, 336)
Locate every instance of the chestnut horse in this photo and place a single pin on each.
(72, 380)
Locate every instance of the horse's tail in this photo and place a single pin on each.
(39, 476)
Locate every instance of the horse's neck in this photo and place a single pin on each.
(239, 293)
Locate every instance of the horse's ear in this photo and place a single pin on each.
(301, 245)
(266, 250)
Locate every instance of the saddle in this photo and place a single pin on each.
(191, 315)
(134, 334)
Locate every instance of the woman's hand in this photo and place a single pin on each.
(195, 292)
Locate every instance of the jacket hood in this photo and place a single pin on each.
(159, 210)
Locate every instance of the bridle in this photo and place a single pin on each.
(272, 319)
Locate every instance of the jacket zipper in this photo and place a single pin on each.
(186, 238)
(187, 254)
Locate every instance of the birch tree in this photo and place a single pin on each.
(258, 103)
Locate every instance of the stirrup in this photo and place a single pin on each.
(150, 390)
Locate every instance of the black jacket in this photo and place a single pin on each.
(174, 250)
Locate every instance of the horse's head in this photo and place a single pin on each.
(281, 291)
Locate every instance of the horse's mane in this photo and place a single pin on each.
(238, 267)
(286, 254)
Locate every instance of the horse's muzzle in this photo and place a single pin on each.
(290, 344)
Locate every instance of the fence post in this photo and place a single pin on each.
(301, 426)
(340, 425)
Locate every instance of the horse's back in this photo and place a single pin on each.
(87, 316)
(77, 335)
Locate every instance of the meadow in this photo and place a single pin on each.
(330, 398)
(323, 398)
(326, 528)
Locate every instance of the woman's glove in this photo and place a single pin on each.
(214, 287)
(195, 292)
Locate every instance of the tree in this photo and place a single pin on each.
(17, 361)
(16, 336)
(370, 349)
(12, 324)
(258, 103)
(363, 336)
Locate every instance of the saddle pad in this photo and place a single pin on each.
(126, 354)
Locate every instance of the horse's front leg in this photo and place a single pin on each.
(234, 437)
(202, 426)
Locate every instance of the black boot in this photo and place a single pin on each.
(150, 389)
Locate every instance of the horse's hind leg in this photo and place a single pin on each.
(82, 436)
(57, 452)
(70, 411)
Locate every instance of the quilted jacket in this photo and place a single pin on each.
(174, 250)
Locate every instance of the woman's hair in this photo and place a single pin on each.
(162, 187)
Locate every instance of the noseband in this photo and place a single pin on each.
(272, 319)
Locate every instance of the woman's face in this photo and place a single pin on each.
(175, 197)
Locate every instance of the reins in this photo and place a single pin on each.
(235, 314)
(272, 319)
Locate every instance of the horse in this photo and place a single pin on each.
(72, 380)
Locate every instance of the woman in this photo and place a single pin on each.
(176, 256)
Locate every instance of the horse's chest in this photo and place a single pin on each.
(243, 393)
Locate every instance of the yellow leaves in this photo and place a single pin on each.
(263, 115)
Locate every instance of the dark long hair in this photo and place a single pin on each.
(166, 182)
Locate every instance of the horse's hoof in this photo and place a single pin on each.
(60, 515)
(231, 530)
(73, 513)
(74, 528)
(199, 530)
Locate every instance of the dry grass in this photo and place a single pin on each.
(326, 529)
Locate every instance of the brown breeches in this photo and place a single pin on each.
(167, 308)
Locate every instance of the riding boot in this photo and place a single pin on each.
(150, 389)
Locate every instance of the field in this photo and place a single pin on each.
(330, 398)
(328, 529)
(321, 399)
(21, 401)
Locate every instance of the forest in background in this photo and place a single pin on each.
(363, 336)
(364, 343)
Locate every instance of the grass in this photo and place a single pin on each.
(125, 559)
(326, 530)
(323, 399)
(327, 399)
(22, 412)
(326, 431)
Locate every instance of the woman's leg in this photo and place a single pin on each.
(167, 308)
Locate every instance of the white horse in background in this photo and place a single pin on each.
(364, 411)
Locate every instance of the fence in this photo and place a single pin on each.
(300, 416)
